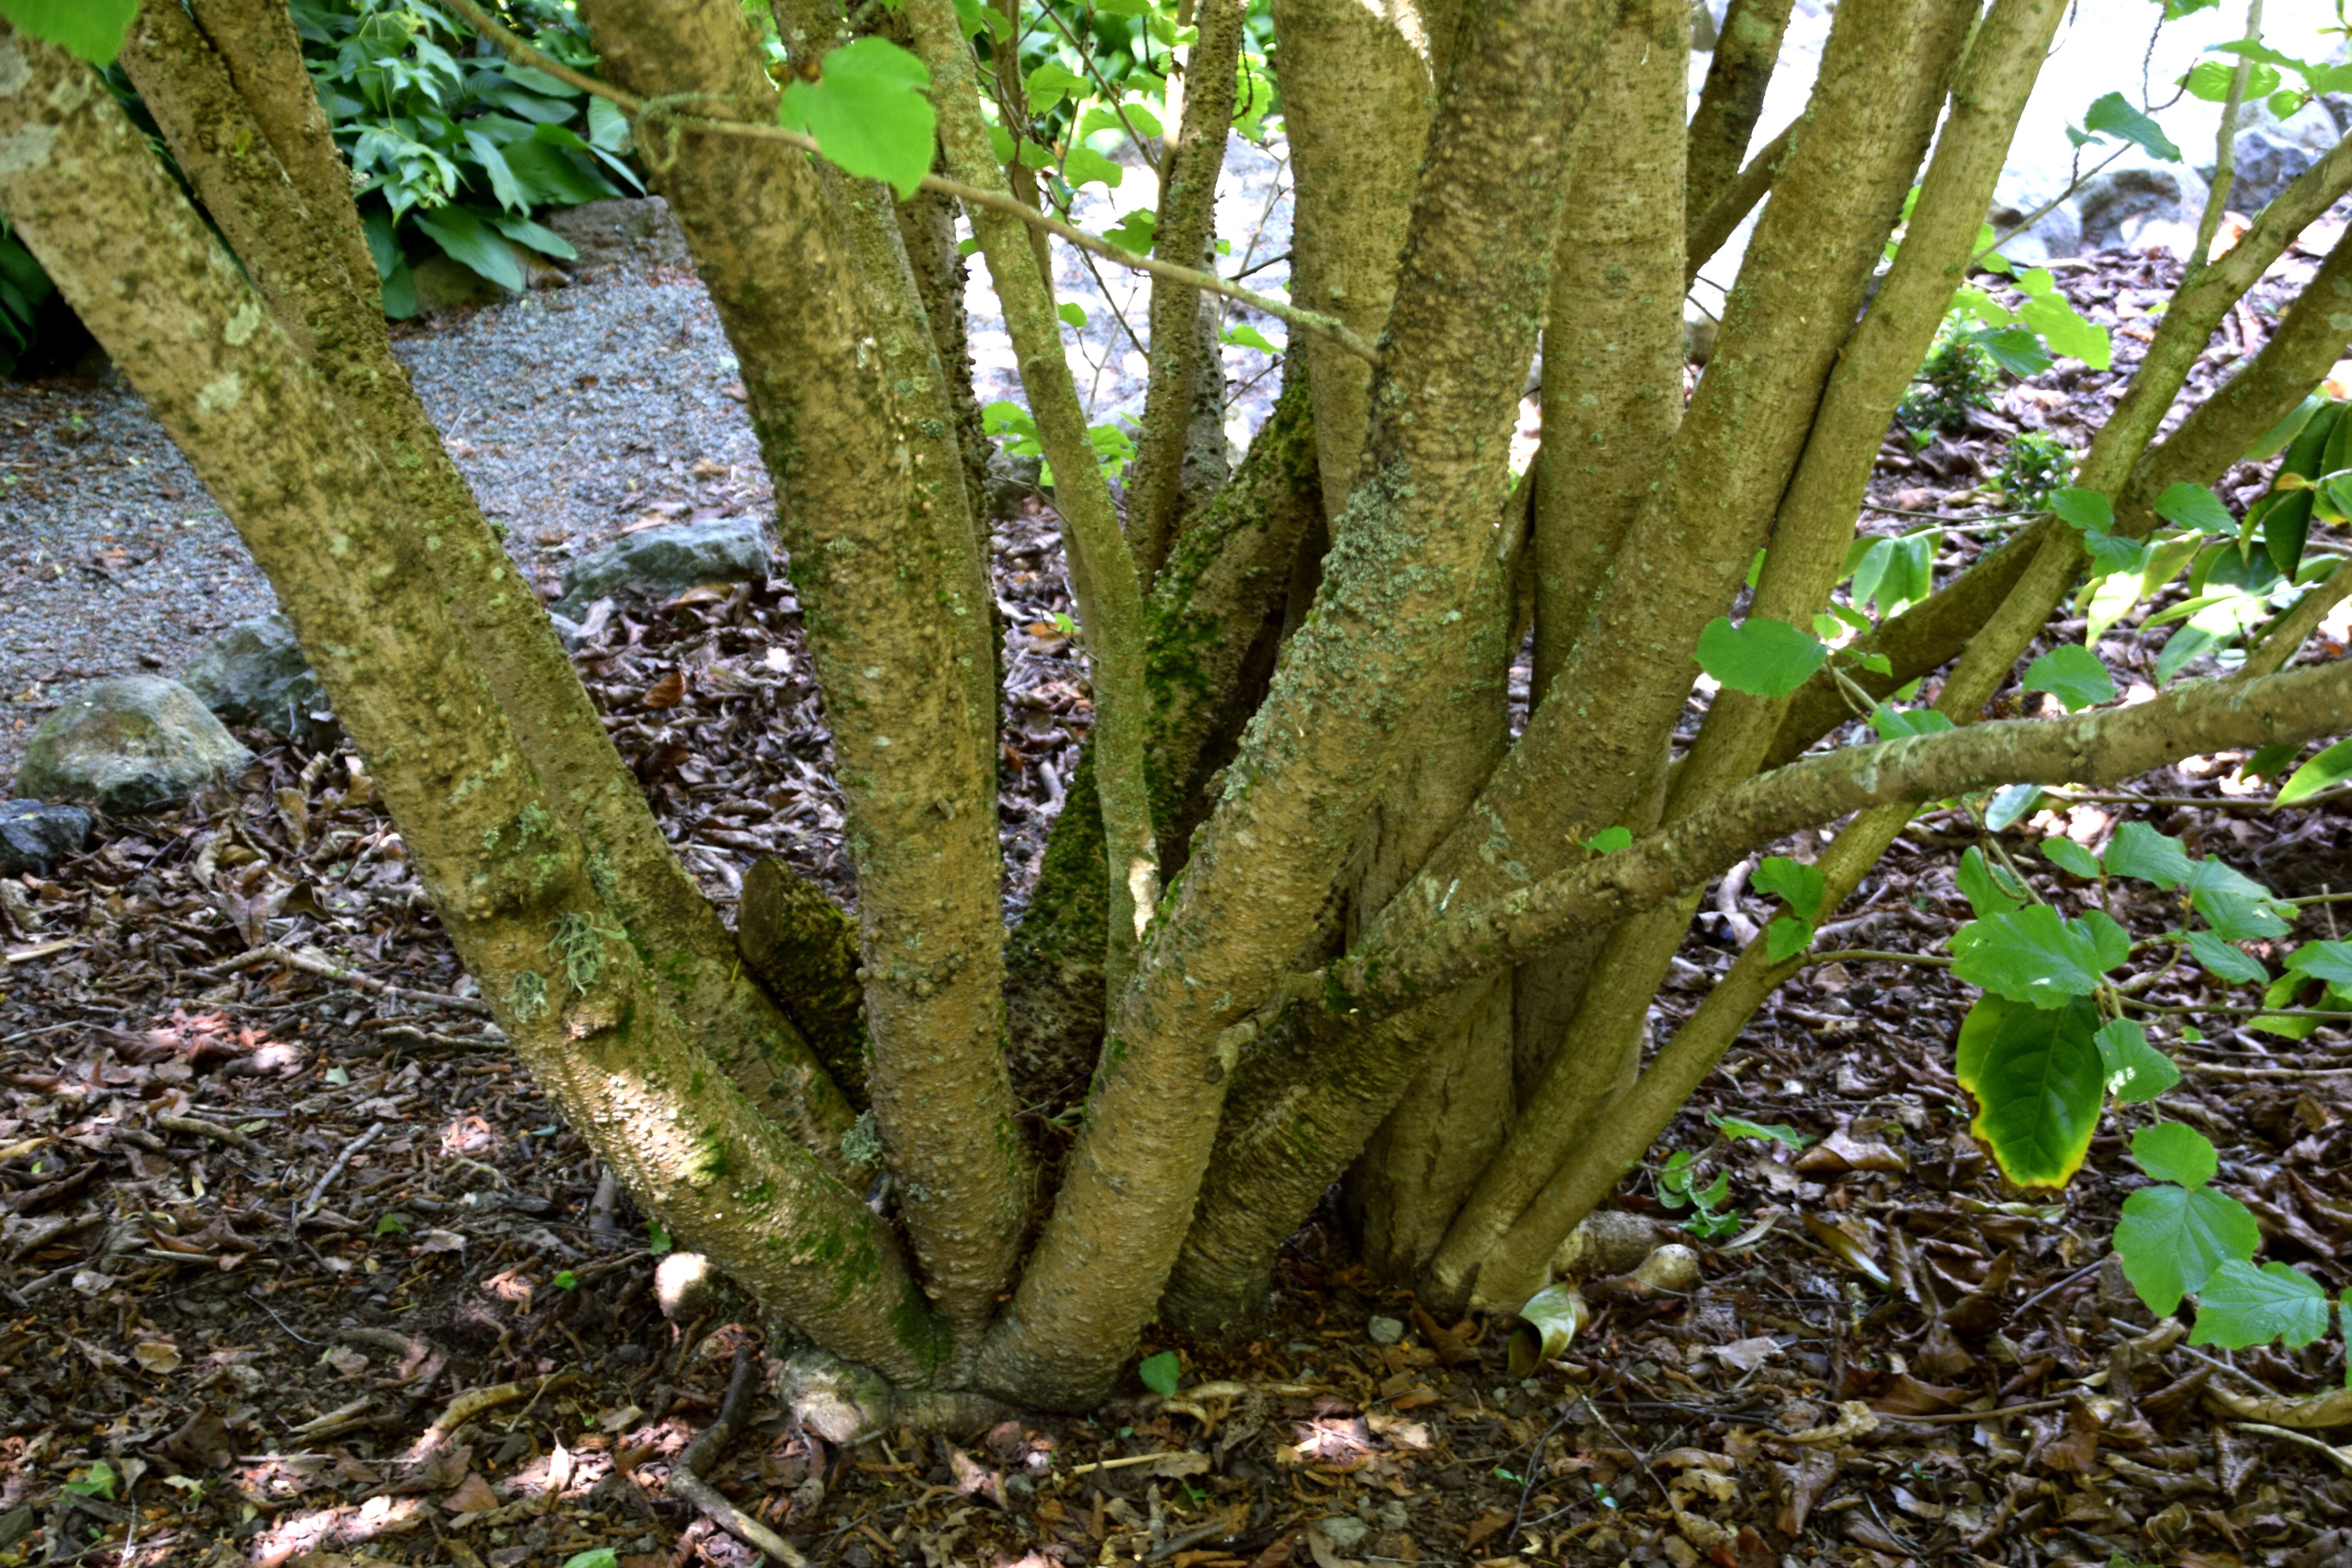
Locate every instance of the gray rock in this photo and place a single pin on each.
(254, 673)
(1384, 1330)
(635, 231)
(2142, 207)
(666, 560)
(33, 836)
(2269, 158)
(132, 743)
(2023, 188)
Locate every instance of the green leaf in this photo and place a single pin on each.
(2011, 804)
(391, 1224)
(565, 1281)
(1982, 887)
(1160, 1373)
(539, 237)
(1136, 232)
(1072, 313)
(2328, 961)
(98, 1481)
(91, 29)
(608, 128)
(1609, 840)
(2172, 1239)
(2136, 1071)
(2069, 855)
(2267, 760)
(1085, 166)
(2139, 850)
(2015, 349)
(1785, 937)
(2226, 962)
(2276, 439)
(2032, 956)
(867, 113)
(2080, 508)
(468, 239)
(2233, 903)
(1052, 82)
(657, 1240)
(1245, 336)
(2036, 1075)
(2114, 116)
(503, 183)
(2240, 1305)
(595, 1557)
(2053, 315)
(2195, 506)
(1801, 885)
(2175, 1151)
(1764, 658)
(2325, 771)
(1761, 1132)
(1901, 724)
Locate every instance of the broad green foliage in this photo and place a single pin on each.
(1011, 423)
(93, 30)
(2242, 1305)
(1802, 887)
(2074, 674)
(2037, 957)
(1763, 657)
(1161, 1374)
(1678, 1188)
(2136, 1071)
(2210, 79)
(454, 147)
(23, 288)
(1959, 374)
(1895, 572)
(2038, 1078)
(2035, 464)
(868, 112)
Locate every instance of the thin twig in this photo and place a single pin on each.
(974, 195)
(686, 1476)
(318, 1191)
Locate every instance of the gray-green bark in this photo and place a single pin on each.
(882, 556)
(359, 575)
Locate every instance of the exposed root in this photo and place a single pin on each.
(686, 1476)
(846, 1403)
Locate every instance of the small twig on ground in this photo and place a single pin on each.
(201, 1128)
(318, 1191)
(686, 1476)
(313, 963)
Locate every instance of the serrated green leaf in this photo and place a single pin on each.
(2036, 1076)
(2136, 1071)
(2115, 115)
(2080, 508)
(1763, 657)
(2175, 1151)
(1982, 890)
(2235, 916)
(2196, 507)
(1780, 877)
(868, 112)
(1609, 840)
(1160, 1373)
(2053, 316)
(2011, 804)
(2069, 855)
(2172, 1238)
(2074, 674)
(91, 30)
(2030, 955)
(1084, 165)
(2325, 771)
(2224, 961)
(2139, 850)
(1761, 1132)
(1786, 937)
(1136, 232)
(2241, 1306)
(2328, 961)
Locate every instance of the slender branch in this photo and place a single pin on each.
(2225, 158)
(1711, 227)
(2109, 743)
(663, 110)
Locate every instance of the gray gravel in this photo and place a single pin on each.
(573, 412)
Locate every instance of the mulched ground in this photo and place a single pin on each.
(299, 1268)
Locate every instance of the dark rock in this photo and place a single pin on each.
(637, 231)
(2142, 207)
(34, 836)
(666, 560)
(2024, 187)
(254, 673)
(1011, 481)
(132, 743)
(2269, 158)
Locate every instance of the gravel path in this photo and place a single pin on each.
(573, 412)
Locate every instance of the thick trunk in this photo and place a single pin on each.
(1600, 732)
(1405, 559)
(1356, 93)
(268, 172)
(1612, 391)
(1188, 214)
(1215, 618)
(882, 557)
(1809, 538)
(356, 572)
